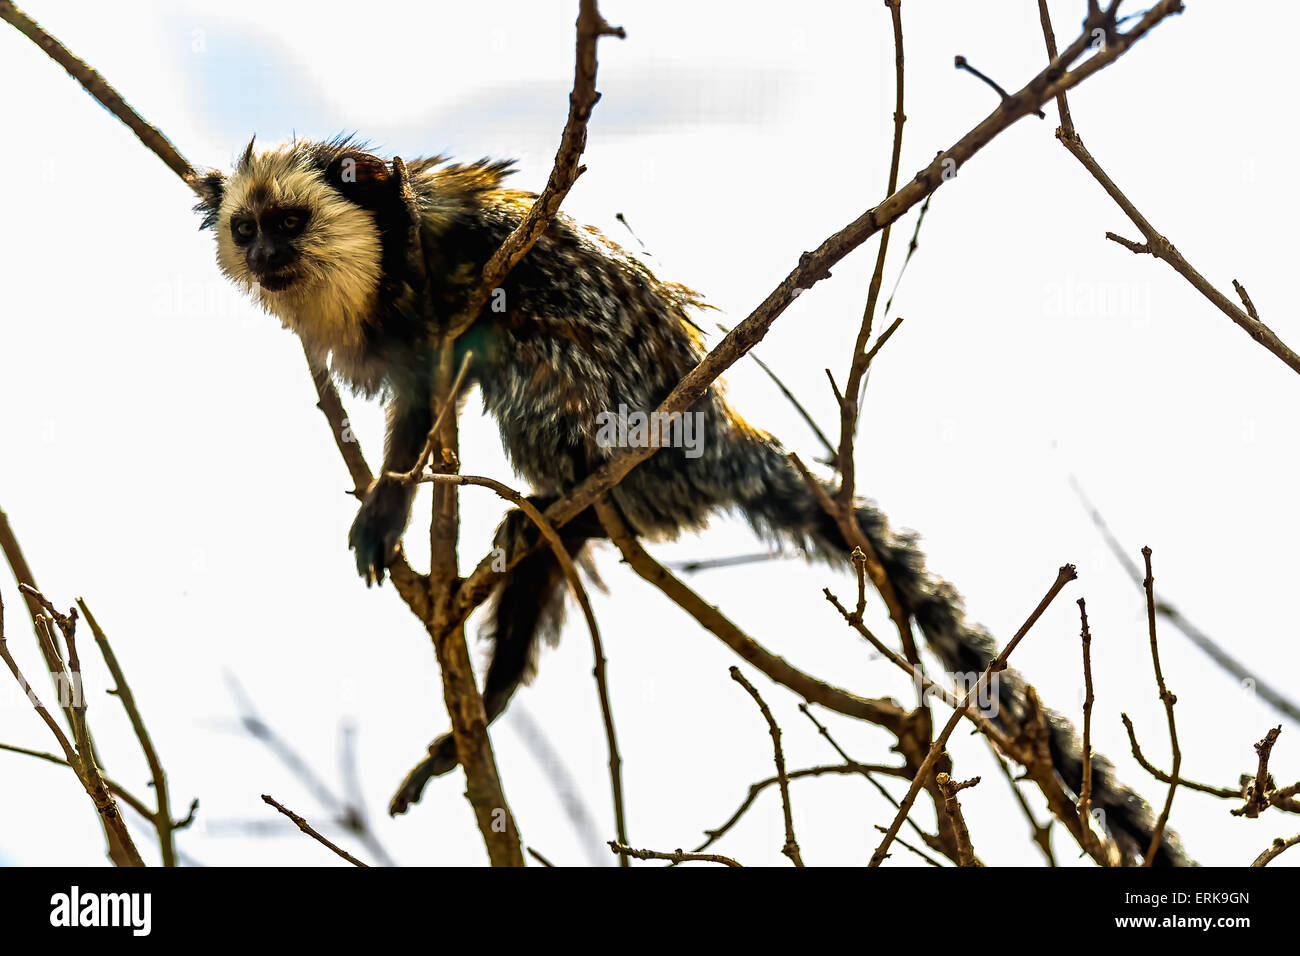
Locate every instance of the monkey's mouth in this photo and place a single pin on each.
(277, 281)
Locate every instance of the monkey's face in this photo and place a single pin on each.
(268, 237)
(287, 234)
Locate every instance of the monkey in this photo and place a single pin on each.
(321, 233)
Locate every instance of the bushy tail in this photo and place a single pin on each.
(783, 506)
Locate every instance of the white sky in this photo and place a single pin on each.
(162, 456)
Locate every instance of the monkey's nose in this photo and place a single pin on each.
(267, 256)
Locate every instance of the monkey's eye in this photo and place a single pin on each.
(292, 222)
(244, 230)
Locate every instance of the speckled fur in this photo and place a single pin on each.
(586, 329)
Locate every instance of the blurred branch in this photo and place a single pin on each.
(1267, 692)
(348, 813)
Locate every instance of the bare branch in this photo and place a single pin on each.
(676, 856)
(1169, 700)
(791, 848)
(1064, 576)
(591, 27)
(306, 828)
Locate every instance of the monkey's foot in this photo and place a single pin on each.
(442, 759)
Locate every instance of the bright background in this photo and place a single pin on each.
(161, 455)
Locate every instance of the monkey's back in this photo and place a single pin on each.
(581, 343)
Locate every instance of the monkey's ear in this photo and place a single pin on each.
(211, 188)
(362, 178)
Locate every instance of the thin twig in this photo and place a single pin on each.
(919, 679)
(961, 63)
(306, 828)
(1266, 692)
(755, 789)
(162, 819)
(1227, 793)
(867, 771)
(791, 398)
(1169, 700)
(132, 801)
(1064, 576)
(912, 246)
(884, 337)
(850, 405)
(1040, 833)
(1156, 244)
(791, 847)
(1085, 789)
(907, 846)
(851, 529)
(676, 856)
(426, 453)
(591, 27)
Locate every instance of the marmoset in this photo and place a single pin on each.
(319, 233)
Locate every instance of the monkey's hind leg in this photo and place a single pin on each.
(527, 605)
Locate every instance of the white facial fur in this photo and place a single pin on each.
(339, 263)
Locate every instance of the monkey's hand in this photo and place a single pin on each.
(378, 527)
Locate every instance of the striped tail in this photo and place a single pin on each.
(783, 506)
